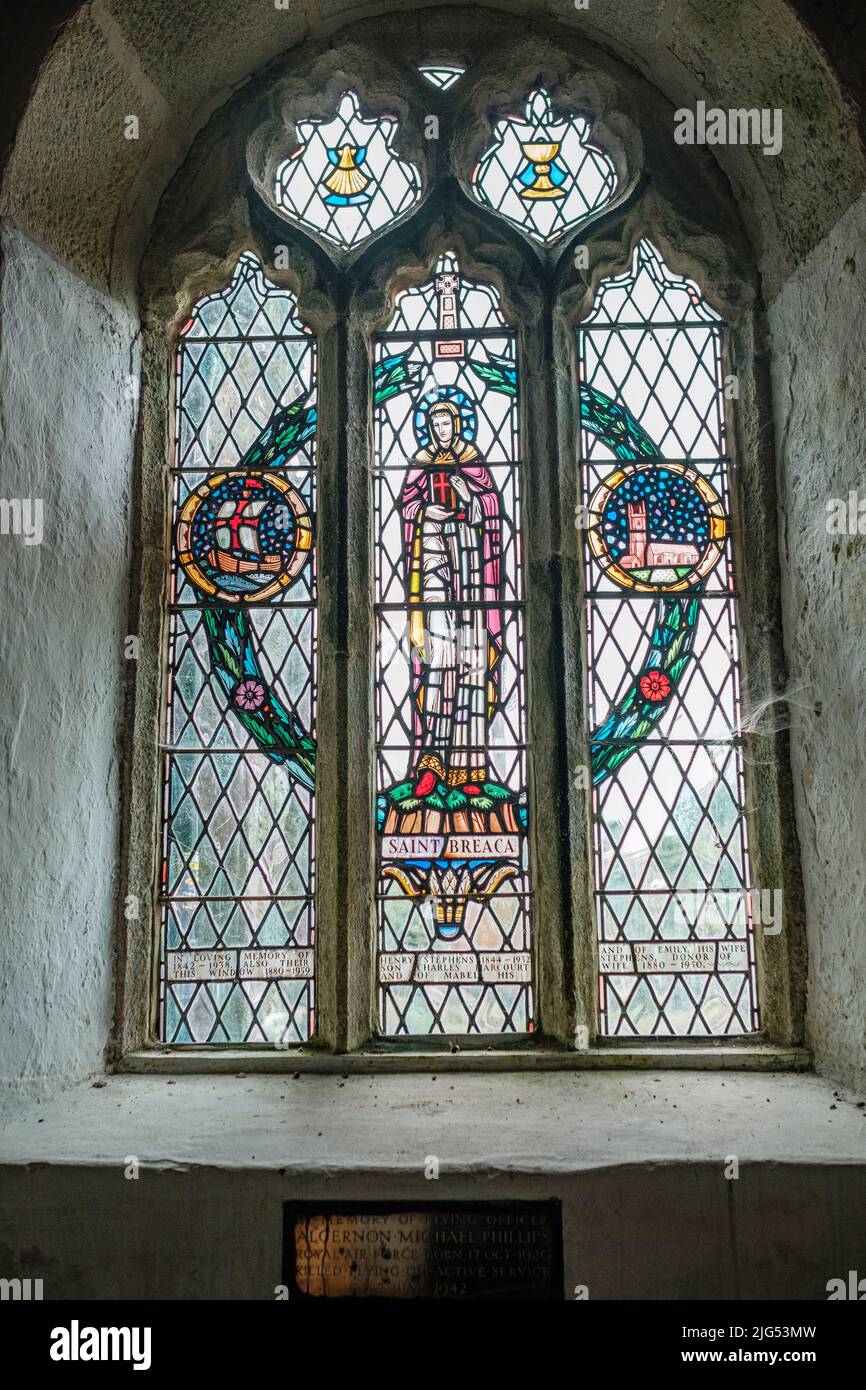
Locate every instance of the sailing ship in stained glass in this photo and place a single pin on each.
(670, 847)
(451, 816)
(237, 881)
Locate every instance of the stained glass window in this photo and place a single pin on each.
(442, 75)
(676, 945)
(442, 865)
(542, 173)
(451, 813)
(237, 877)
(346, 180)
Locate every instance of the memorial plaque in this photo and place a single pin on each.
(669, 957)
(232, 963)
(423, 1250)
(455, 967)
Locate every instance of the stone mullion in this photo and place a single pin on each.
(356, 662)
(330, 697)
(576, 789)
(546, 709)
(773, 847)
(137, 964)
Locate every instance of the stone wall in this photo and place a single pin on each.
(68, 358)
(818, 326)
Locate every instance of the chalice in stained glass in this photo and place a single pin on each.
(544, 179)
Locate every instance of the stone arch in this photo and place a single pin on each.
(76, 186)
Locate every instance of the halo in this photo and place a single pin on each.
(468, 415)
(669, 581)
(261, 587)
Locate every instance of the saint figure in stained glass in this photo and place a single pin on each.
(451, 512)
(451, 813)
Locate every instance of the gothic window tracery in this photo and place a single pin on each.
(542, 172)
(345, 180)
(454, 946)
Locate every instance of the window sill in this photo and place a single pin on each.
(390, 1059)
(638, 1160)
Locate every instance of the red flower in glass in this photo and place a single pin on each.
(426, 783)
(249, 695)
(655, 686)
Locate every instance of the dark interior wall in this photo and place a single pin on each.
(840, 29)
(27, 31)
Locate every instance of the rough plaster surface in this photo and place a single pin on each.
(638, 1162)
(818, 348)
(66, 353)
(67, 189)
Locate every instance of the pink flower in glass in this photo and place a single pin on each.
(249, 695)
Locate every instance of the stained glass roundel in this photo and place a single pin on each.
(244, 537)
(656, 529)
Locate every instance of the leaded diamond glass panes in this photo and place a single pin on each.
(542, 172)
(442, 75)
(346, 180)
(237, 880)
(674, 913)
(451, 814)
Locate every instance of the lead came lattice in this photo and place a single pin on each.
(238, 874)
(453, 900)
(671, 866)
